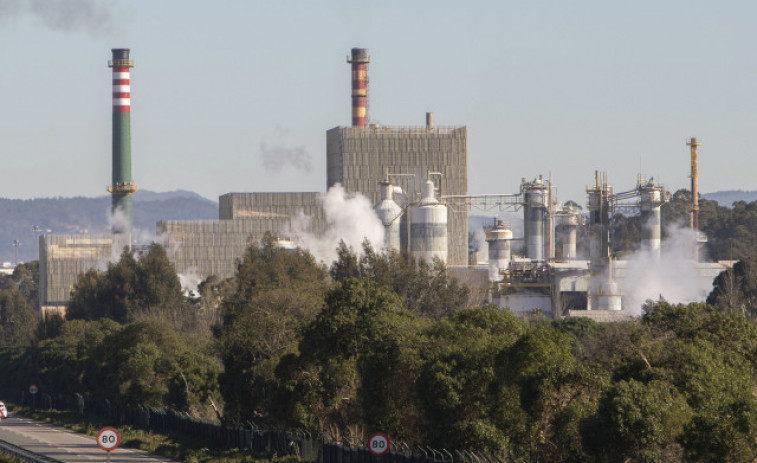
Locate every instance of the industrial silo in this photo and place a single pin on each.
(428, 227)
(499, 239)
(389, 212)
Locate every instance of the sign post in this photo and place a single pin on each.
(108, 439)
(378, 444)
(33, 389)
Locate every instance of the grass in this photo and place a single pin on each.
(176, 447)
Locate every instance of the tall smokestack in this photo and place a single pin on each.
(122, 187)
(693, 143)
(359, 61)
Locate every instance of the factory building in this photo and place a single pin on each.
(360, 158)
(417, 179)
(212, 247)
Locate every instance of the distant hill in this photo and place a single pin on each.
(728, 197)
(18, 217)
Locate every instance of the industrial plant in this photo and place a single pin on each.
(417, 179)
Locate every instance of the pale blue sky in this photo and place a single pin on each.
(543, 86)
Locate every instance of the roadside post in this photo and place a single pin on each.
(33, 390)
(378, 444)
(108, 439)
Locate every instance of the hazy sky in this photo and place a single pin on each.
(237, 95)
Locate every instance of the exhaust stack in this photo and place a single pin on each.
(122, 187)
(359, 61)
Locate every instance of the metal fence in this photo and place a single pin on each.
(306, 446)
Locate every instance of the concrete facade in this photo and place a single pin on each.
(62, 258)
(359, 158)
(212, 247)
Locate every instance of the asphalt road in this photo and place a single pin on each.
(64, 445)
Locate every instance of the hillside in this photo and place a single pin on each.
(726, 198)
(18, 217)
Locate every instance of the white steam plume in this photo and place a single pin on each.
(277, 156)
(673, 276)
(349, 218)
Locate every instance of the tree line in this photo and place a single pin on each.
(731, 231)
(381, 342)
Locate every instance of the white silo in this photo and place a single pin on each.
(652, 198)
(608, 296)
(499, 239)
(389, 212)
(428, 227)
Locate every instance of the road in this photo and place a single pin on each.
(64, 445)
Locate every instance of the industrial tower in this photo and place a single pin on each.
(122, 187)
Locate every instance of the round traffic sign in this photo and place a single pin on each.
(108, 438)
(33, 389)
(378, 444)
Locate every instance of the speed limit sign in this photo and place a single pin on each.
(108, 438)
(378, 444)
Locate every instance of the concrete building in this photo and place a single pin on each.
(62, 258)
(212, 247)
(359, 158)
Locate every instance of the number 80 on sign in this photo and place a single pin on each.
(108, 438)
(378, 444)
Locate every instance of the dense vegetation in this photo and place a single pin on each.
(381, 342)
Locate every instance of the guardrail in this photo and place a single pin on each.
(23, 454)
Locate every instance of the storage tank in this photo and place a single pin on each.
(608, 296)
(536, 197)
(652, 198)
(428, 227)
(499, 239)
(570, 217)
(389, 212)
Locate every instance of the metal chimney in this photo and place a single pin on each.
(122, 187)
(359, 61)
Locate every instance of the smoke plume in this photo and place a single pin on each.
(91, 16)
(277, 156)
(349, 218)
(673, 277)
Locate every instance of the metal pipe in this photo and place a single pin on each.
(359, 61)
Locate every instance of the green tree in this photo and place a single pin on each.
(132, 289)
(639, 422)
(459, 369)
(425, 288)
(357, 365)
(276, 292)
(736, 287)
(148, 363)
(18, 319)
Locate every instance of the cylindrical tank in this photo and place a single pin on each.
(359, 61)
(608, 296)
(499, 239)
(389, 212)
(651, 201)
(428, 227)
(568, 227)
(534, 217)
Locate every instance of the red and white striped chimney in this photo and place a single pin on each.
(359, 61)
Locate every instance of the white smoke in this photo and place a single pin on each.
(278, 155)
(349, 218)
(190, 282)
(673, 277)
